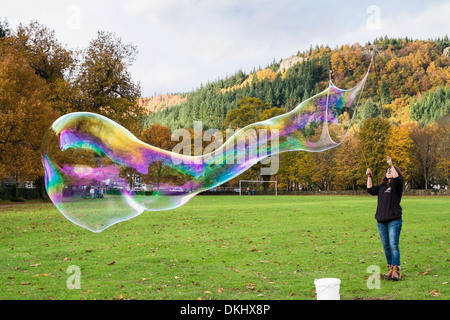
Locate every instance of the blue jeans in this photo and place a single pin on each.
(390, 236)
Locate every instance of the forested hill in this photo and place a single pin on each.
(409, 78)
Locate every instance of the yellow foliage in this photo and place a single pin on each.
(25, 115)
(259, 75)
(399, 110)
(162, 101)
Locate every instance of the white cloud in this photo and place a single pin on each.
(210, 31)
(164, 76)
(433, 21)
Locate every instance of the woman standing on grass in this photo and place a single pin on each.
(389, 214)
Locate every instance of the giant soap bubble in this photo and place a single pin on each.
(86, 156)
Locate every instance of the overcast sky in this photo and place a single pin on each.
(184, 43)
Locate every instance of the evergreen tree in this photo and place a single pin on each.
(370, 110)
(385, 92)
(4, 28)
(432, 106)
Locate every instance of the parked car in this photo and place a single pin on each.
(176, 189)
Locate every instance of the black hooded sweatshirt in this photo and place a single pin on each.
(389, 198)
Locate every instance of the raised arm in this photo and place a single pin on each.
(393, 171)
(369, 178)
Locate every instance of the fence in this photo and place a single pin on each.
(7, 193)
(411, 192)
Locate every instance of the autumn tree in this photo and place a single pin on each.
(45, 54)
(398, 110)
(51, 61)
(324, 169)
(399, 148)
(158, 136)
(25, 115)
(424, 151)
(286, 174)
(442, 140)
(296, 171)
(373, 138)
(303, 164)
(104, 81)
(4, 28)
(96, 79)
(431, 153)
(348, 172)
(40, 79)
(249, 110)
(161, 137)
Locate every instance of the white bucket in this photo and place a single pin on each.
(328, 288)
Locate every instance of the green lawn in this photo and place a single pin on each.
(225, 247)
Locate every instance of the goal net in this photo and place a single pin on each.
(253, 187)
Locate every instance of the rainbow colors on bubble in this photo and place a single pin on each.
(91, 162)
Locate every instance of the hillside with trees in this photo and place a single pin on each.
(405, 103)
(404, 111)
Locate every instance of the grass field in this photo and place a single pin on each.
(225, 247)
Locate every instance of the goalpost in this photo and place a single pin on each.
(256, 181)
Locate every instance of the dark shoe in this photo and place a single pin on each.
(389, 274)
(395, 273)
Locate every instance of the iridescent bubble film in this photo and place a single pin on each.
(91, 162)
